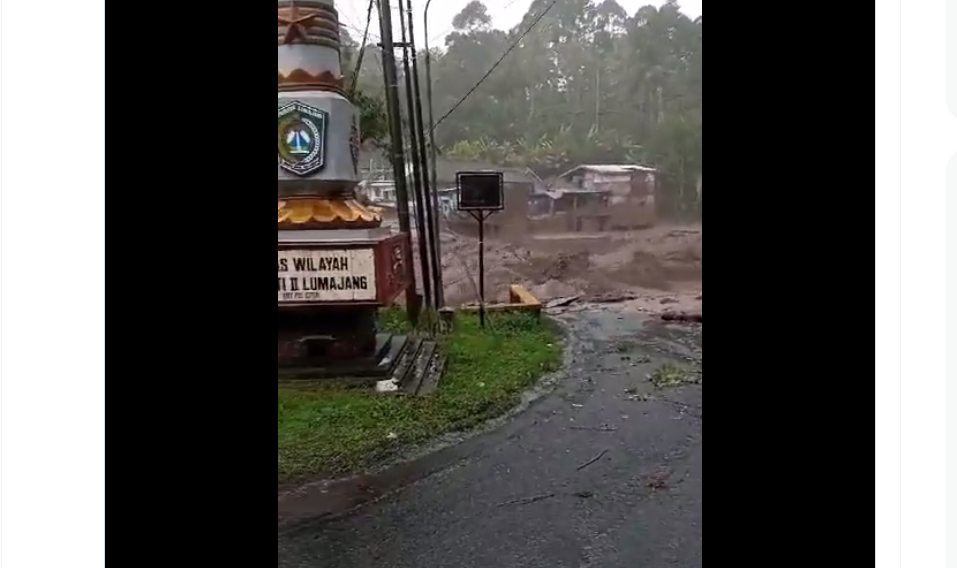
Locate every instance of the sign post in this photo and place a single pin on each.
(481, 194)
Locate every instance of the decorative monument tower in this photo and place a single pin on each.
(336, 264)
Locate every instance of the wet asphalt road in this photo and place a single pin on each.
(526, 497)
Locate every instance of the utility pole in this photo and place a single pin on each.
(430, 198)
(395, 129)
(420, 225)
(433, 154)
(598, 100)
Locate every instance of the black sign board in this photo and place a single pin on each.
(480, 191)
(480, 195)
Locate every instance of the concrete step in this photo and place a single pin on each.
(425, 370)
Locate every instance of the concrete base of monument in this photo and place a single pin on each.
(376, 365)
(407, 363)
(327, 335)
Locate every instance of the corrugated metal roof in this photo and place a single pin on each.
(608, 169)
(559, 193)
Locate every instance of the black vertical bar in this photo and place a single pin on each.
(481, 220)
(395, 129)
(420, 226)
(433, 156)
(428, 199)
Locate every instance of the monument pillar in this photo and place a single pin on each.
(337, 265)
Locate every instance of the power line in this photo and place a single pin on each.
(374, 36)
(441, 34)
(365, 33)
(359, 30)
(500, 59)
(362, 50)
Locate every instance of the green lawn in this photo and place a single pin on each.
(334, 431)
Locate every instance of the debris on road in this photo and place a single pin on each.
(527, 500)
(592, 461)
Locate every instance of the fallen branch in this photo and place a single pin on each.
(593, 460)
(527, 500)
(596, 428)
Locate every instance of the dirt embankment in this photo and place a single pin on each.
(659, 269)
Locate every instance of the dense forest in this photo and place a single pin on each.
(589, 83)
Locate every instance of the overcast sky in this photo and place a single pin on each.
(505, 14)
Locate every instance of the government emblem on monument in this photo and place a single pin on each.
(302, 138)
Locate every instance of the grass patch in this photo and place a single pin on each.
(334, 431)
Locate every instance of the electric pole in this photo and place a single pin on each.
(420, 223)
(598, 100)
(387, 49)
(433, 155)
(430, 197)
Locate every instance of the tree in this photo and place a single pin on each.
(589, 83)
(474, 16)
(373, 120)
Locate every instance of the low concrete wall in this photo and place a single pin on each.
(520, 296)
(519, 300)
